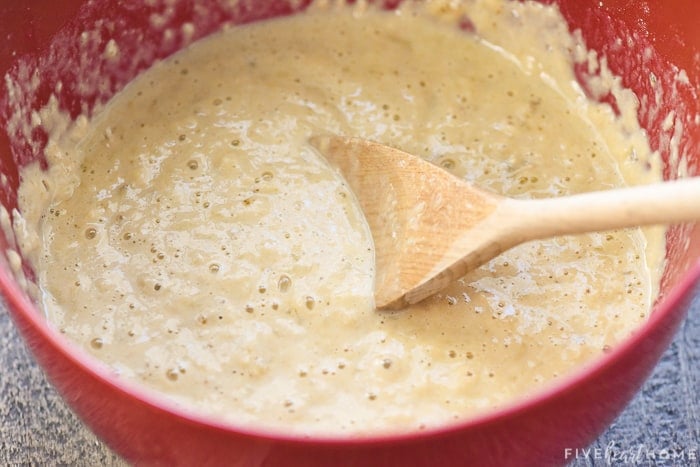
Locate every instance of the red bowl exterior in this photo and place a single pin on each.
(542, 430)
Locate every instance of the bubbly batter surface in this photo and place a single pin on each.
(193, 240)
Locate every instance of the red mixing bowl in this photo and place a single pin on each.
(647, 43)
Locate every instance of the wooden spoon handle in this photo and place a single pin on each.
(660, 203)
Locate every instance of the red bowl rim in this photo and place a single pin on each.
(18, 301)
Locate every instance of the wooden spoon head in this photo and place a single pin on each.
(418, 215)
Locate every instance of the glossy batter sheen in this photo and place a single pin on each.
(194, 241)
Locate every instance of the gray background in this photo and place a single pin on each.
(38, 429)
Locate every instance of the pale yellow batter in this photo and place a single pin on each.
(193, 240)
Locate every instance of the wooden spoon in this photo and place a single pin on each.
(430, 227)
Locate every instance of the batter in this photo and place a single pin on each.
(194, 241)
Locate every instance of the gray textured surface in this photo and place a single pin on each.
(662, 422)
